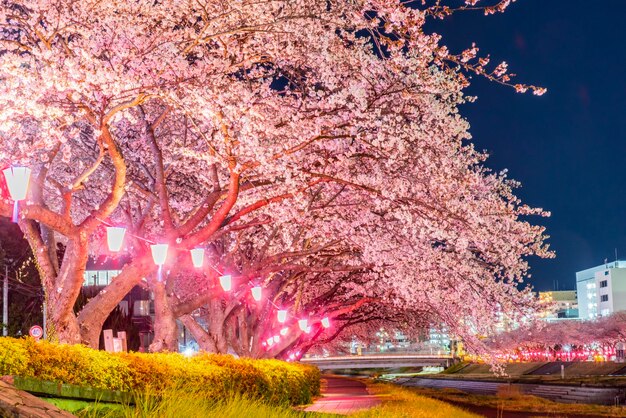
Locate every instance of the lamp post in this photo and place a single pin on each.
(17, 179)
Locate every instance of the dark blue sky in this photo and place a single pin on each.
(567, 147)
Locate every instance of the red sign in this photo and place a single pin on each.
(36, 332)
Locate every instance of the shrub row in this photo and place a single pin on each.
(217, 376)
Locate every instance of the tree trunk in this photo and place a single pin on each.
(63, 291)
(165, 328)
(205, 341)
(96, 311)
(213, 339)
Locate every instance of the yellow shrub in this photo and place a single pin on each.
(215, 376)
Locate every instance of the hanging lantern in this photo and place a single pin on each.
(197, 257)
(326, 322)
(284, 331)
(303, 324)
(270, 341)
(226, 282)
(159, 255)
(115, 238)
(282, 316)
(276, 339)
(17, 179)
(257, 293)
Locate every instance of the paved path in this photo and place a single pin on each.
(17, 404)
(342, 395)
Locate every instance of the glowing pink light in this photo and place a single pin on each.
(17, 179)
(303, 324)
(284, 331)
(115, 238)
(326, 322)
(281, 316)
(308, 329)
(276, 339)
(197, 257)
(270, 341)
(257, 293)
(226, 282)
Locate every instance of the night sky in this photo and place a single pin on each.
(568, 147)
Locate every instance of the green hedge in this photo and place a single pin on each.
(219, 376)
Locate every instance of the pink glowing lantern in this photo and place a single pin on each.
(115, 238)
(257, 293)
(326, 322)
(270, 341)
(276, 339)
(281, 316)
(17, 179)
(284, 331)
(226, 282)
(197, 257)
(303, 324)
(159, 255)
(308, 329)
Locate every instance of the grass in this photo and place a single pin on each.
(518, 402)
(176, 404)
(399, 402)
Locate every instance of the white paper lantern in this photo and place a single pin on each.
(17, 179)
(159, 253)
(197, 257)
(226, 282)
(303, 324)
(281, 316)
(257, 293)
(115, 238)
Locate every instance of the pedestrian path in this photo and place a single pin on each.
(342, 395)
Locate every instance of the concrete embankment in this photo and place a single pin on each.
(557, 393)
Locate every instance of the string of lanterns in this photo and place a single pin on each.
(18, 179)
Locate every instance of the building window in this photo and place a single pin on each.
(604, 283)
(606, 273)
(605, 312)
(604, 298)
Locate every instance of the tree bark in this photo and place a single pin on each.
(165, 328)
(95, 312)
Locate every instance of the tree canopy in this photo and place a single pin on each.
(314, 147)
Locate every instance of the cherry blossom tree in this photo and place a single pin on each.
(315, 146)
(540, 336)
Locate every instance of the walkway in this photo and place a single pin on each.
(342, 395)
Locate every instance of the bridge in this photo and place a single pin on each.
(379, 361)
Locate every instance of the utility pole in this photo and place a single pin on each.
(5, 302)
(45, 319)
